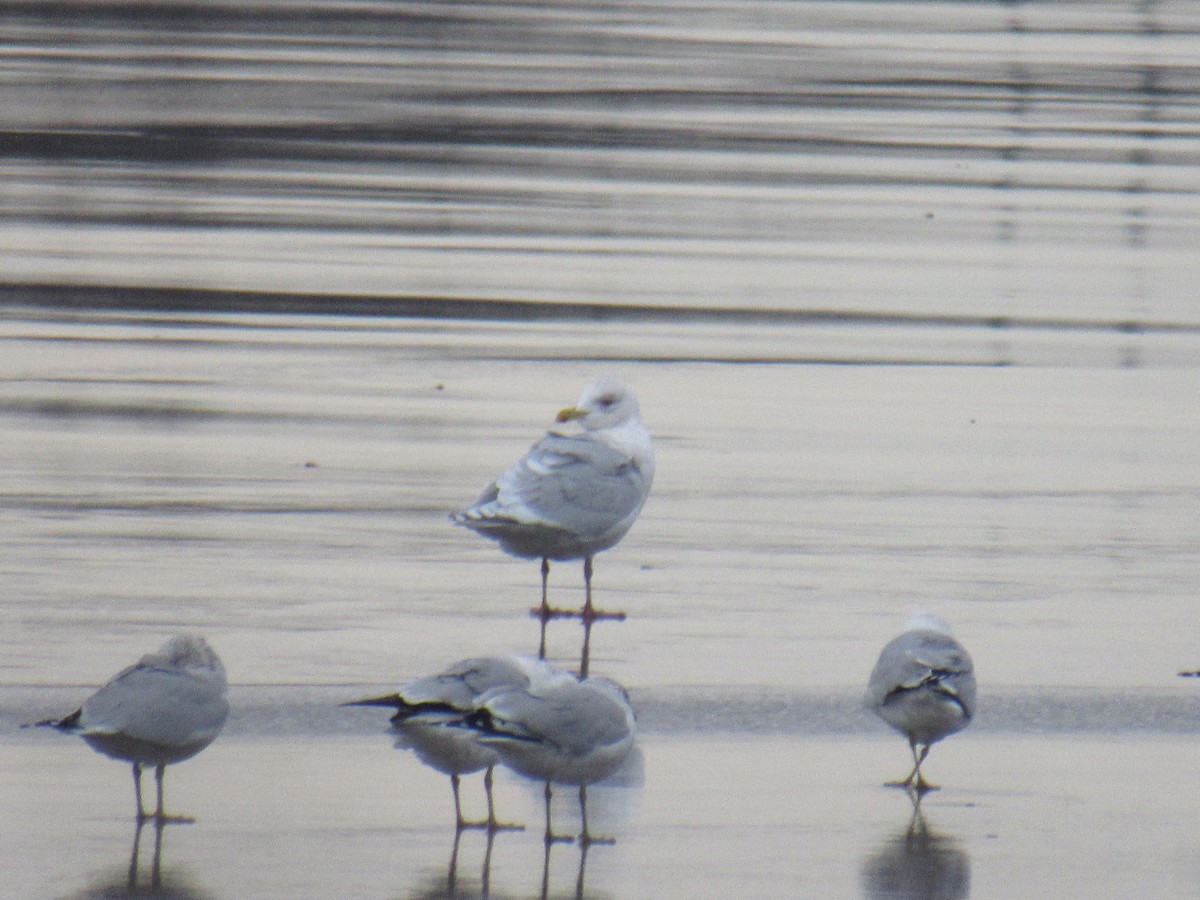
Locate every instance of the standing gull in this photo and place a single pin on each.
(164, 709)
(559, 730)
(572, 495)
(924, 687)
(429, 715)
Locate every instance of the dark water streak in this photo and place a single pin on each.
(281, 712)
(829, 159)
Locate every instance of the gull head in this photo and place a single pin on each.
(189, 651)
(926, 621)
(605, 403)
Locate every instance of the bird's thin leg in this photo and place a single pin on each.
(588, 609)
(158, 782)
(586, 838)
(492, 825)
(914, 782)
(491, 802)
(137, 792)
(920, 785)
(907, 781)
(159, 815)
(916, 769)
(461, 822)
(551, 837)
(589, 613)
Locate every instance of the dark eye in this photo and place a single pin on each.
(605, 401)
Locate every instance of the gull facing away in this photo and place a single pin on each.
(924, 687)
(572, 495)
(429, 716)
(164, 709)
(559, 729)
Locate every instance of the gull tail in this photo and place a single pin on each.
(406, 709)
(68, 723)
(394, 701)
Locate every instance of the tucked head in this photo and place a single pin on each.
(925, 621)
(604, 403)
(189, 651)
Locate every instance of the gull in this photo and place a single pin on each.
(924, 687)
(559, 729)
(572, 495)
(428, 709)
(165, 708)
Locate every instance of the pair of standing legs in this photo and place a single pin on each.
(589, 615)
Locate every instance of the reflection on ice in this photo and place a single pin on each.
(450, 886)
(918, 862)
(139, 883)
(453, 886)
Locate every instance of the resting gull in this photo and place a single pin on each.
(924, 687)
(164, 709)
(430, 712)
(559, 729)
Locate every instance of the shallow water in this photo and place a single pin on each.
(726, 815)
(291, 479)
(282, 484)
(906, 292)
(987, 160)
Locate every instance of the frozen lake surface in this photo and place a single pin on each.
(907, 295)
(282, 484)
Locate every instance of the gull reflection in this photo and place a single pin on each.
(155, 860)
(137, 880)
(917, 862)
(579, 894)
(449, 887)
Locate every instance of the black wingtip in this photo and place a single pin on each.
(480, 720)
(392, 701)
(68, 723)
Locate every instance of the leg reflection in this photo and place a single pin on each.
(155, 860)
(580, 876)
(583, 852)
(485, 876)
(917, 862)
(452, 885)
(452, 871)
